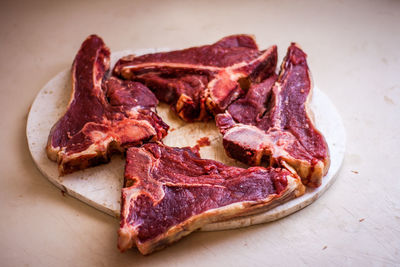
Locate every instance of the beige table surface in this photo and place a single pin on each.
(354, 54)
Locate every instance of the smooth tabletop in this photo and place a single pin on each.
(354, 58)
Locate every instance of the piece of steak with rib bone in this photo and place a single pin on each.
(273, 124)
(170, 192)
(102, 117)
(201, 81)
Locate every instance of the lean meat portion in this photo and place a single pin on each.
(170, 192)
(201, 81)
(273, 124)
(102, 117)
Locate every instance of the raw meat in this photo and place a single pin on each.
(170, 192)
(201, 81)
(272, 123)
(101, 117)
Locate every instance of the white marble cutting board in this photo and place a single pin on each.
(100, 186)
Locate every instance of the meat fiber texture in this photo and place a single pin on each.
(170, 192)
(272, 123)
(264, 120)
(103, 116)
(201, 81)
(267, 121)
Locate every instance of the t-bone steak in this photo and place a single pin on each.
(201, 81)
(273, 124)
(170, 192)
(102, 117)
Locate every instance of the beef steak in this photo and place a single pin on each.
(204, 80)
(170, 192)
(272, 123)
(101, 117)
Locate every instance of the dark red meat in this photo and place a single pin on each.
(204, 80)
(271, 123)
(169, 192)
(101, 117)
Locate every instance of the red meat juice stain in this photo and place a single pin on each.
(204, 141)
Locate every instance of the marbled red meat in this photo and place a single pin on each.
(170, 192)
(102, 117)
(272, 123)
(201, 81)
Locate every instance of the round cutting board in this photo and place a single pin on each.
(100, 186)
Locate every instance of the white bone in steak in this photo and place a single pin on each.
(170, 192)
(101, 117)
(272, 123)
(204, 80)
